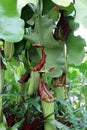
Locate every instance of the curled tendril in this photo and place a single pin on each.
(42, 61)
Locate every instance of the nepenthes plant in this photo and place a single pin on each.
(38, 43)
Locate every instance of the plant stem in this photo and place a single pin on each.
(59, 92)
(86, 101)
(8, 50)
(48, 109)
(33, 83)
(1, 87)
(3, 124)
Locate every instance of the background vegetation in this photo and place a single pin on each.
(43, 77)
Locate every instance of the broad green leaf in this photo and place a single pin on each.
(11, 26)
(75, 45)
(43, 32)
(75, 48)
(34, 55)
(81, 9)
(83, 67)
(64, 3)
(47, 6)
(53, 14)
(56, 59)
(72, 74)
(73, 25)
(69, 10)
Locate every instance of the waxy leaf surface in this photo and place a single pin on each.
(11, 25)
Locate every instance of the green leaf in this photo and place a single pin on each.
(69, 10)
(84, 91)
(9, 74)
(34, 55)
(43, 32)
(53, 14)
(59, 125)
(11, 26)
(36, 104)
(75, 48)
(63, 102)
(26, 13)
(81, 9)
(19, 46)
(85, 119)
(14, 62)
(2, 126)
(83, 67)
(64, 3)
(47, 6)
(55, 58)
(1, 43)
(17, 125)
(12, 128)
(72, 74)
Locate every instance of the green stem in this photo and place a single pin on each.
(3, 124)
(1, 87)
(33, 85)
(1, 117)
(86, 101)
(22, 91)
(59, 92)
(48, 111)
(8, 50)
